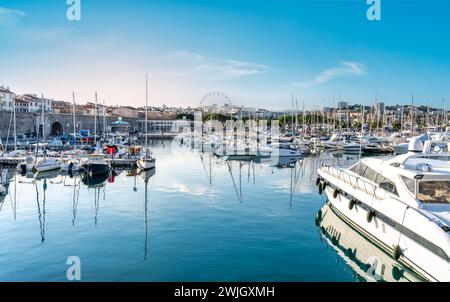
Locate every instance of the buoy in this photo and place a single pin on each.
(351, 204)
(335, 193)
(397, 252)
(370, 215)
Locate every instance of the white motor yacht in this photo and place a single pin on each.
(47, 164)
(401, 204)
(286, 150)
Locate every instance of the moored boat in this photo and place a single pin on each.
(95, 165)
(402, 204)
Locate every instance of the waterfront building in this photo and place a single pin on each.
(21, 104)
(6, 99)
(62, 107)
(120, 126)
(37, 104)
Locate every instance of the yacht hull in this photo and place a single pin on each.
(365, 258)
(387, 235)
(96, 169)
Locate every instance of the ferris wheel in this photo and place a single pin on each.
(215, 98)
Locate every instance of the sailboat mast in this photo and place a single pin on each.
(146, 112)
(73, 115)
(104, 119)
(15, 130)
(43, 118)
(412, 115)
(95, 120)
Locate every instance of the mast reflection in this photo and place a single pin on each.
(146, 175)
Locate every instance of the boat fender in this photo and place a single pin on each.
(320, 188)
(397, 273)
(335, 193)
(396, 252)
(319, 216)
(318, 181)
(370, 216)
(70, 166)
(324, 185)
(351, 204)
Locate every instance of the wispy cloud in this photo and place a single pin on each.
(8, 15)
(190, 63)
(344, 68)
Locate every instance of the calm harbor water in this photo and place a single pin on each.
(203, 220)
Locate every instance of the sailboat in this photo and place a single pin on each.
(96, 165)
(45, 164)
(73, 160)
(146, 162)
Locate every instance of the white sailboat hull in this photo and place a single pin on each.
(146, 164)
(47, 165)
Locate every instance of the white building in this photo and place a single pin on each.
(36, 104)
(6, 99)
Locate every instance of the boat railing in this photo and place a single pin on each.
(357, 182)
(367, 186)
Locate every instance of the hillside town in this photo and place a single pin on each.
(343, 115)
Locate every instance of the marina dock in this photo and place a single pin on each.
(10, 162)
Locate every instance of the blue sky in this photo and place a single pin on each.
(256, 52)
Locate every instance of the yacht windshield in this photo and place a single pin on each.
(434, 192)
(410, 184)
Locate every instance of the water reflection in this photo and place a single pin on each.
(367, 261)
(197, 198)
(41, 213)
(146, 175)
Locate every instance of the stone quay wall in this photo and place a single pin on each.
(62, 124)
